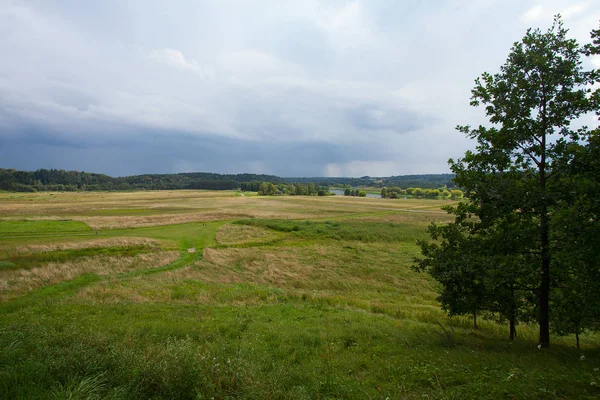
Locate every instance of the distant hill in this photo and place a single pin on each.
(431, 181)
(61, 180)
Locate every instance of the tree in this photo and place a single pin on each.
(263, 190)
(576, 302)
(509, 180)
(473, 262)
(459, 271)
(456, 194)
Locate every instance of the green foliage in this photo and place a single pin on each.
(576, 234)
(61, 180)
(456, 194)
(429, 181)
(70, 181)
(512, 183)
(297, 189)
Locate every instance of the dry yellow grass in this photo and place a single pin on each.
(277, 268)
(342, 275)
(110, 293)
(14, 283)
(90, 244)
(238, 234)
(143, 209)
(314, 267)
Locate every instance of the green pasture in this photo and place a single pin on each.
(327, 308)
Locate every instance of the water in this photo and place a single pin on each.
(339, 192)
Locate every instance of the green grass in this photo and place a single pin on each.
(331, 309)
(7, 265)
(281, 350)
(196, 234)
(14, 228)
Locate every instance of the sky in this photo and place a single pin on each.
(285, 87)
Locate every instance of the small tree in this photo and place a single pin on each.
(456, 194)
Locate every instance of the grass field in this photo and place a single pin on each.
(280, 298)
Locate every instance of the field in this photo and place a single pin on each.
(219, 295)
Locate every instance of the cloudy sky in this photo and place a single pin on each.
(288, 87)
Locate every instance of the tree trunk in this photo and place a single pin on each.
(474, 320)
(513, 329)
(544, 338)
(577, 339)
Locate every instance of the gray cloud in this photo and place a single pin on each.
(275, 86)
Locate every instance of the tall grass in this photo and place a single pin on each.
(338, 230)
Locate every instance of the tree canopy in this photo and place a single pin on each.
(505, 252)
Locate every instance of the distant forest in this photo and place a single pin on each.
(61, 180)
(431, 181)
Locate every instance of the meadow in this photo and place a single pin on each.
(224, 295)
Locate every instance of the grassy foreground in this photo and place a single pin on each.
(280, 298)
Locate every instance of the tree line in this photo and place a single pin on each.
(523, 246)
(426, 181)
(61, 180)
(355, 192)
(280, 189)
(397, 192)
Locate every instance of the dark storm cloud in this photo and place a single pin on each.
(287, 87)
(162, 152)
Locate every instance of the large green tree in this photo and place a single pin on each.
(510, 177)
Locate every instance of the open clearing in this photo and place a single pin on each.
(284, 298)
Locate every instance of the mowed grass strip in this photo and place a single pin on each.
(41, 227)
